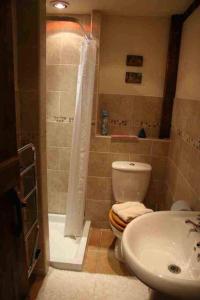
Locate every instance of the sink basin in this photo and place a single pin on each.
(161, 249)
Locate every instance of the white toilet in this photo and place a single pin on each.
(130, 181)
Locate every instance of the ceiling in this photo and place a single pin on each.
(123, 7)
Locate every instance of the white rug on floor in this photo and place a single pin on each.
(69, 285)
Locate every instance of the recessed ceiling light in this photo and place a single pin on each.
(60, 4)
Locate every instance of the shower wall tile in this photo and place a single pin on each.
(64, 158)
(70, 50)
(62, 78)
(53, 105)
(103, 151)
(57, 180)
(59, 134)
(67, 103)
(63, 56)
(53, 158)
(53, 53)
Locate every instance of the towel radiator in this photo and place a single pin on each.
(29, 198)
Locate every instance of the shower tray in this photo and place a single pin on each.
(66, 253)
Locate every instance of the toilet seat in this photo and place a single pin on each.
(116, 221)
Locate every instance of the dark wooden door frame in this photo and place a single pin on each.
(175, 35)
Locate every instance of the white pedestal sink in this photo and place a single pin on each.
(162, 251)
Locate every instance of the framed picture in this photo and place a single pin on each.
(133, 77)
(134, 60)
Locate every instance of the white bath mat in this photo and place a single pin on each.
(69, 285)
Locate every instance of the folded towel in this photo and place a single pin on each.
(127, 211)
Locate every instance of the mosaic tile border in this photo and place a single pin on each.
(186, 137)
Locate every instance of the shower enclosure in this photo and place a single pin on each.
(70, 84)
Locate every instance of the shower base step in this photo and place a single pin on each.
(66, 253)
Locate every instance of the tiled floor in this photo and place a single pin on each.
(103, 277)
(100, 257)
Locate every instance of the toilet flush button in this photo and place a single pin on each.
(131, 164)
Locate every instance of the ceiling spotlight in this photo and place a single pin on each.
(60, 4)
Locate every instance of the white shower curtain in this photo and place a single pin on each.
(81, 140)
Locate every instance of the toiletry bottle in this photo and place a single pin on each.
(104, 122)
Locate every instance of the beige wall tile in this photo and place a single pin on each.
(99, 188)
(140, 158)
(59, 134)
(62, 78)
(57, 181)
(64, 158)
(53, 48)
(97, 211)
(159, 167)
(99, 164)
(71, 45)
(53, 158)
(67, 103)
(53, 105)
(100, 144)
(160, 148)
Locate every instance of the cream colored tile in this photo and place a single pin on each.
(57, 181)
(53, 158)
(62, 78)
(53, 48)
(71, 46)
(53, 105)
(59, 134)
(67, 103)
(64, 158)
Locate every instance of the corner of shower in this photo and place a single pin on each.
(68, 232)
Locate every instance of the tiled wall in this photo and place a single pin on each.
(102, 153)
(63, 56)
(129, 113)
(183, 174)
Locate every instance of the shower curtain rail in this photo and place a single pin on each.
(70, 19)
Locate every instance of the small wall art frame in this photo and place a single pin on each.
(133, 77)
(134, 60)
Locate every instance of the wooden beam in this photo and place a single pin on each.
(195, 4)
(171, 74)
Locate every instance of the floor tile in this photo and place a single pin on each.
(108, 264)
(90, 261)
(94, 237)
